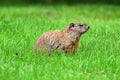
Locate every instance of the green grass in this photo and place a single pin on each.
(98, 54)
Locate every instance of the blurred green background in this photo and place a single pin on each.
(61, 1)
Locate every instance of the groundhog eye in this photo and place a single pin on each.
(81, 25)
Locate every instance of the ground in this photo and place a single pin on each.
(98, 54)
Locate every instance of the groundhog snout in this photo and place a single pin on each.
(88, 27)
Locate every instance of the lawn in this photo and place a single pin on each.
(98, 54)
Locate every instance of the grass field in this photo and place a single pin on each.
(98, 54)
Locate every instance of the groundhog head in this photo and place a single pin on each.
(78, 27)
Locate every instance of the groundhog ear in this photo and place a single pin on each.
(71, 25)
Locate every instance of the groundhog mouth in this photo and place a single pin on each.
(85, 31)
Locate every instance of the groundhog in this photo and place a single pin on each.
(65, 40)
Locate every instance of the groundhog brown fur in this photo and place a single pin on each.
(66, 40)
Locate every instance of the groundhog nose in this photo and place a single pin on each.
(88, 27)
